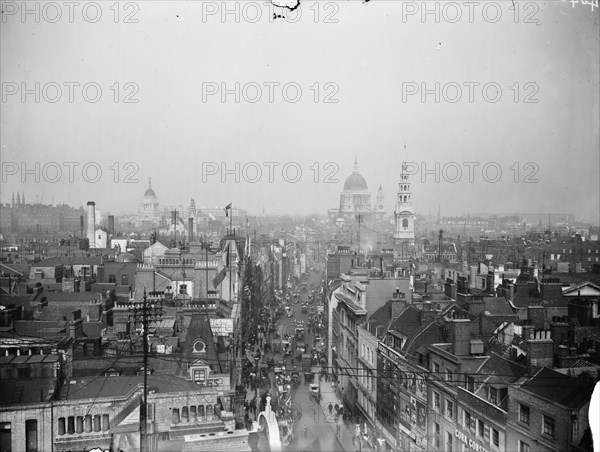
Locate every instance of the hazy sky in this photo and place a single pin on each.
(366, 56)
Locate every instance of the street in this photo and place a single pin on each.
(314, 428)
(320, 434)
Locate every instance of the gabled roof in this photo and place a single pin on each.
(586, 289)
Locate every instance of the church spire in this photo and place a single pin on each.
(355, 164)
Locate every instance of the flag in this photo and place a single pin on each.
(220, 276)
(227, 207)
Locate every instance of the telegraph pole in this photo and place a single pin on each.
(147, 310)
(359, 218)
(144, 409)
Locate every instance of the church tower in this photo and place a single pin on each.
(404, 215)
(192, 209)
(380, 198)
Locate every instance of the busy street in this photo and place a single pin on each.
(289, 365)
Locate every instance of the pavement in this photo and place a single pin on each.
(345, 433)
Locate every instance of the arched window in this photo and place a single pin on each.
(175, 417)
(405, 223)
(97, 423)
(61, 426)
(201, 414)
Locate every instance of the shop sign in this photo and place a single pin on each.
(471, 443)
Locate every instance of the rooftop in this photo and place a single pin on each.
(556, 387)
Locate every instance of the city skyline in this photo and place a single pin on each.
(538, 143)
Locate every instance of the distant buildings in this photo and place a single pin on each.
(18, 216)
(355, 200)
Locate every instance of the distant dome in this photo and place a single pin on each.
(126, 257)
(355, 182)
(149, 191)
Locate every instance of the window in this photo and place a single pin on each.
(548, 426)
(467, 420)
(436, 368)
(124, 280)
(436, 402)
(470, 384)
(436, 432)
(31, 435)
(523, 447)
(449, 441)
(524, 414)
(112, 279)
(449, 409)
(449, 375)
(495, 437)
(5, 437)
(480, 428)
(494, 396)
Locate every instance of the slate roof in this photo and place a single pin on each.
(502, 370)
(101, 387)
(556, 387)
(173, 365)
(497, 306)
(16, 392)
(199, 328)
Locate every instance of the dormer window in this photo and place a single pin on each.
(140, 371)
(199, 375)
(493, 396)
(112, 372)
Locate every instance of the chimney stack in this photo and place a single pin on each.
(111, 224)
(91, 223)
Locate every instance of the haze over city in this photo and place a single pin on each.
(357, 66)
(293, 225)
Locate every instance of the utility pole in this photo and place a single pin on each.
(147, 311)
(359, 219)
(144, 407)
